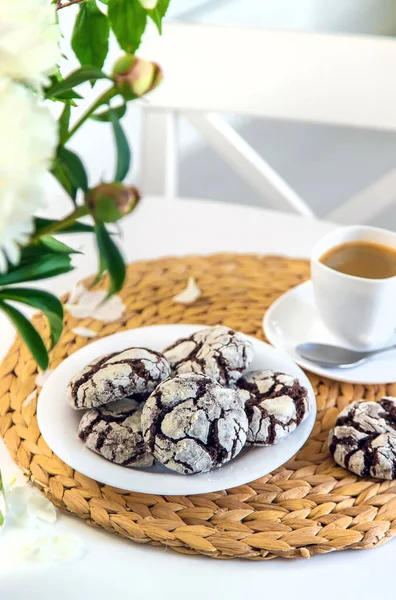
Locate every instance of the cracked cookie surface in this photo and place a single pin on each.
(363, 439)
(116, 376)
(218, 352)
(115, 432)
(275, 405)
(192, 424)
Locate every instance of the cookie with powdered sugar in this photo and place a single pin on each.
(116, 376)
(192, 424)
(363, 439)
(115, 432)
(275, 403)
(218, 352)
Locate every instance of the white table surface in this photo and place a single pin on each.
(111, 566)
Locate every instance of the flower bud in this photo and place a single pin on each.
(135, 76)
(109, 202)
(148, 4)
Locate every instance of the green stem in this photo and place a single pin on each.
(103, 99)
(60, 5)
(80, 211)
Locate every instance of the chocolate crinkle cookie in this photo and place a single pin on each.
(115, 432)
(363, 439)
(192, 424)
(275, 405)
(218, 352)
(116, 376)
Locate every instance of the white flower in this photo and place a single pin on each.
(3, 507)
(91, 304)
(27, 143)
(189, 294)
(29, 40)
(30, 529)
(148, 4)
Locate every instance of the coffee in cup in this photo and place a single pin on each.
(353, 272)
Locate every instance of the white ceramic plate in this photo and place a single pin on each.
(294, 319)
(58, 422)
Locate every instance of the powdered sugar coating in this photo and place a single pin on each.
(275, 405)
(116, 376)
(218, 352)
(192, 424)
(115, 432)
(364, 438)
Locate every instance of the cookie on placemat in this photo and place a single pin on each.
(115, 432)
(116, 376)
(218, 352)
(363, 439)
(192, 424)
(275, 405)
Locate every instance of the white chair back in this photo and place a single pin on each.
(209, 70)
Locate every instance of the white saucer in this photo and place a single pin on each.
(293, 319)
(58, 422)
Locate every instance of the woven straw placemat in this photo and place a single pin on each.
(309, 506)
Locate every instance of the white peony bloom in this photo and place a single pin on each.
(27, 143)
(29, 40)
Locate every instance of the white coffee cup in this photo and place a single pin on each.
(360, 312)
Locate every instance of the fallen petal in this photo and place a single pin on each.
(17, 499)
(29, 550)
(84, 332)
(42, 377)
(76, 293)
(91, 304)
(31, 398)
(39, 507)
(190, 294)
(63, 547)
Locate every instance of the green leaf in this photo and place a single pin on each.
(47, 245)
(77, 227)
(90, 40)
(28, 333)
(44, 301)
(55, 245)
(101, 270)
(86, 73)
(105, 116)
(157, 14)
(69, 95)
(111, 257)
(123, 152)
(61, 174)
(73, 168)
(63, 122)
(2, 519)
(128, 21)
(43, 268)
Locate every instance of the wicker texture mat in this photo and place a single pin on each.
(309, 506)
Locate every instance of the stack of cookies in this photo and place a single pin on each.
(192, 408)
